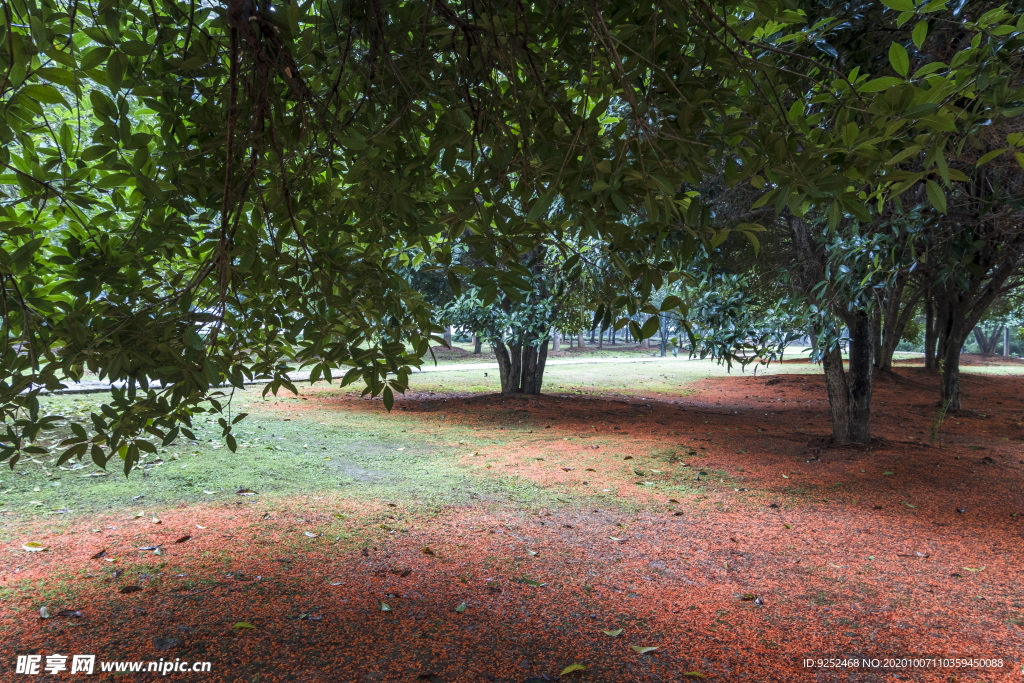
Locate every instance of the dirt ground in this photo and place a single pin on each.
(718, 527)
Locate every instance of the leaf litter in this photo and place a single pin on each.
(669, 580)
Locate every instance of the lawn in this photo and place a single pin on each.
(660, 503)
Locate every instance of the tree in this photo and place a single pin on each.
(519, 325)
(937, 130)
(202, 194)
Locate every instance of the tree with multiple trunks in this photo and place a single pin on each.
(942, 198)
(197, 195)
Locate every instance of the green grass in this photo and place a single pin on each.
(280, 455)
(637, 378)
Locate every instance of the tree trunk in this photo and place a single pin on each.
(448, 336)
(929, 331)
(894, 321)
(477, 344)
(984, 343)
(950, 380)
(510, 360)
(593, 335)
(859, 381)
(664, 337)
(580, 342)
(838, 393)
(1006, 340)
(534, 359)
(529, 369)
(876, 336)
(993, 340)
(952, 329)
(600, 339)
(555, 346)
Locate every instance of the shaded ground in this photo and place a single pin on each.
(552, 521)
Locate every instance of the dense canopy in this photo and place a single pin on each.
(197, 194)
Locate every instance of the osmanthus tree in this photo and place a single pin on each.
(932, 125)
(197, 194)
(204, 193)
(518, 323)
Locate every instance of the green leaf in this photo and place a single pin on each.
(55, 75)
(244, 625)
(642, 650)
(936, 196)
(719, 237)
(652, 325)
(572, 668)
(879, 84)
(899, 59)
(989, 157)
(931, 67)
(694, 674)
(461, 608)
(46, 94)
(540, 207)
(115, 71)
(899, 5)
(193, 339)
(943, 122)
(103, 105)
(613, 634)
(137, 48)
(112, 180)
(94, 57)
(920, 33)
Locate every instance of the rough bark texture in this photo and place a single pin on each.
(895, 315)
(510, 360)
(876, 335)
(521, 367)
(534, 359)
(555, 341)
(958, 310)
(477, 345)
(838, 396)
(448, 337)
(987, 343)
(859, 380)
(950, 382)
(929, 332)
(849, 402)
